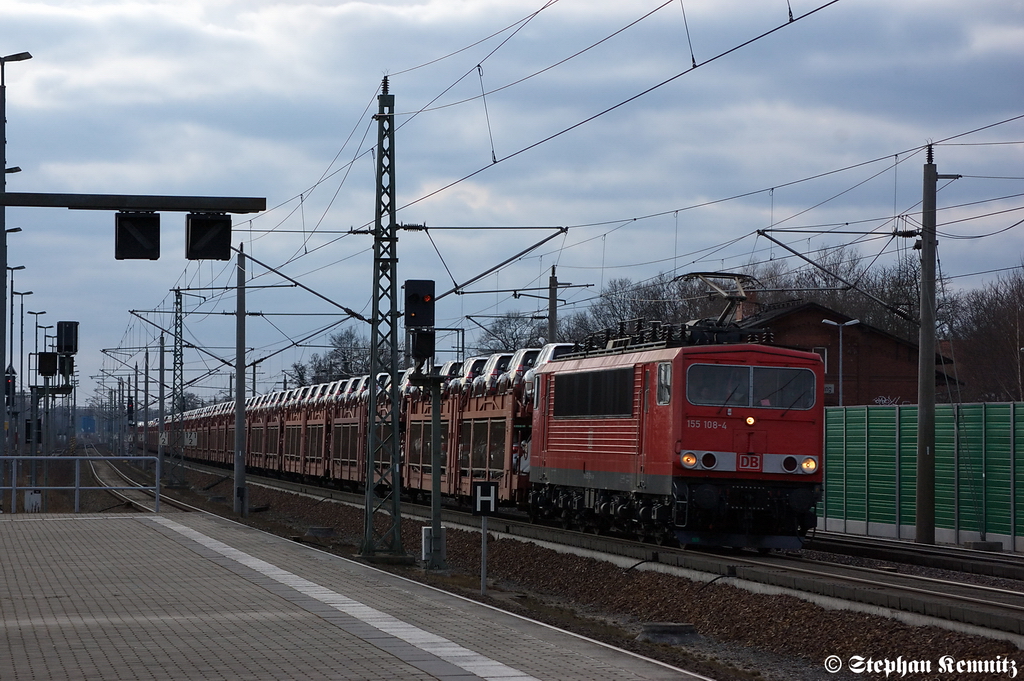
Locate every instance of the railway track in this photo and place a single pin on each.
(997, 608)
(951, 600)
(108, 475)
(955, 558)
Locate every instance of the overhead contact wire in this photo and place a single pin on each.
(615, 106)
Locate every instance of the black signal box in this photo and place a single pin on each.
(65, 365)
(421, 345)
(208, 236)
(419, 303)
(47, 364)
(137, 236)
(67, 338)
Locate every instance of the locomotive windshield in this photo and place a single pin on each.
(730, 385)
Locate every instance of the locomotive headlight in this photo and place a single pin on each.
(688, 459)
(709, 460)
(809, 465)
(750, 420)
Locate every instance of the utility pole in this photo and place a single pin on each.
(552, 307)
(161, 432)
(145, 410)
(4, 170)
(135, 412)
(176, 474)
(553, 286)
(383, 461)
(924, 531)
(241, 496)
(435, 561)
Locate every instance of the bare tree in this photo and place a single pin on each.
(662, 298)
(348, 356)
(575, 327)
(985, 327)
(190, 401)
(849, 287)
(988, 334)
(510, 332)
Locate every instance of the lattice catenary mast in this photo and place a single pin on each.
(383, 475)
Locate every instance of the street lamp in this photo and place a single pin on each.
(21, 346)
(35, 413)
(7, 408)
(841, 327)
(36, 336)
(10, 329)
(32, 407)
(20, 56)
(20, 382)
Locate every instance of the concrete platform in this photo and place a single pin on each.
(192, 596)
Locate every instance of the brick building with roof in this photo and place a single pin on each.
(878, 367)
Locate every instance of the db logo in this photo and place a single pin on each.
(749, 462)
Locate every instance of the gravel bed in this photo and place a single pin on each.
(741, 636)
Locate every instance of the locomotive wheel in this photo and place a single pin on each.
(567, 519)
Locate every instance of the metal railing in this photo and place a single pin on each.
(14, 487)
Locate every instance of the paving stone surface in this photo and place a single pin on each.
(192, 596)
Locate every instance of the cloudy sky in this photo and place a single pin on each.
(515, 118)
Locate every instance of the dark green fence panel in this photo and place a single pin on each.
(881, 465)
(907, 434)
(1017, 470)
(835, 464)
(945, 468)
(856, 464)
(998, 459)
(969, 428)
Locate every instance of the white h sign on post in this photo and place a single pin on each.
(485, 498)
(485, 503)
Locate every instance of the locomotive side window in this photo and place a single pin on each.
(729, 385)
(664, 382)
(594, 393)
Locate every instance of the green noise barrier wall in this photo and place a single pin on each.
(870, 472)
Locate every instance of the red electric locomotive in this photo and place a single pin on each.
(686, 434)
(707, 444)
